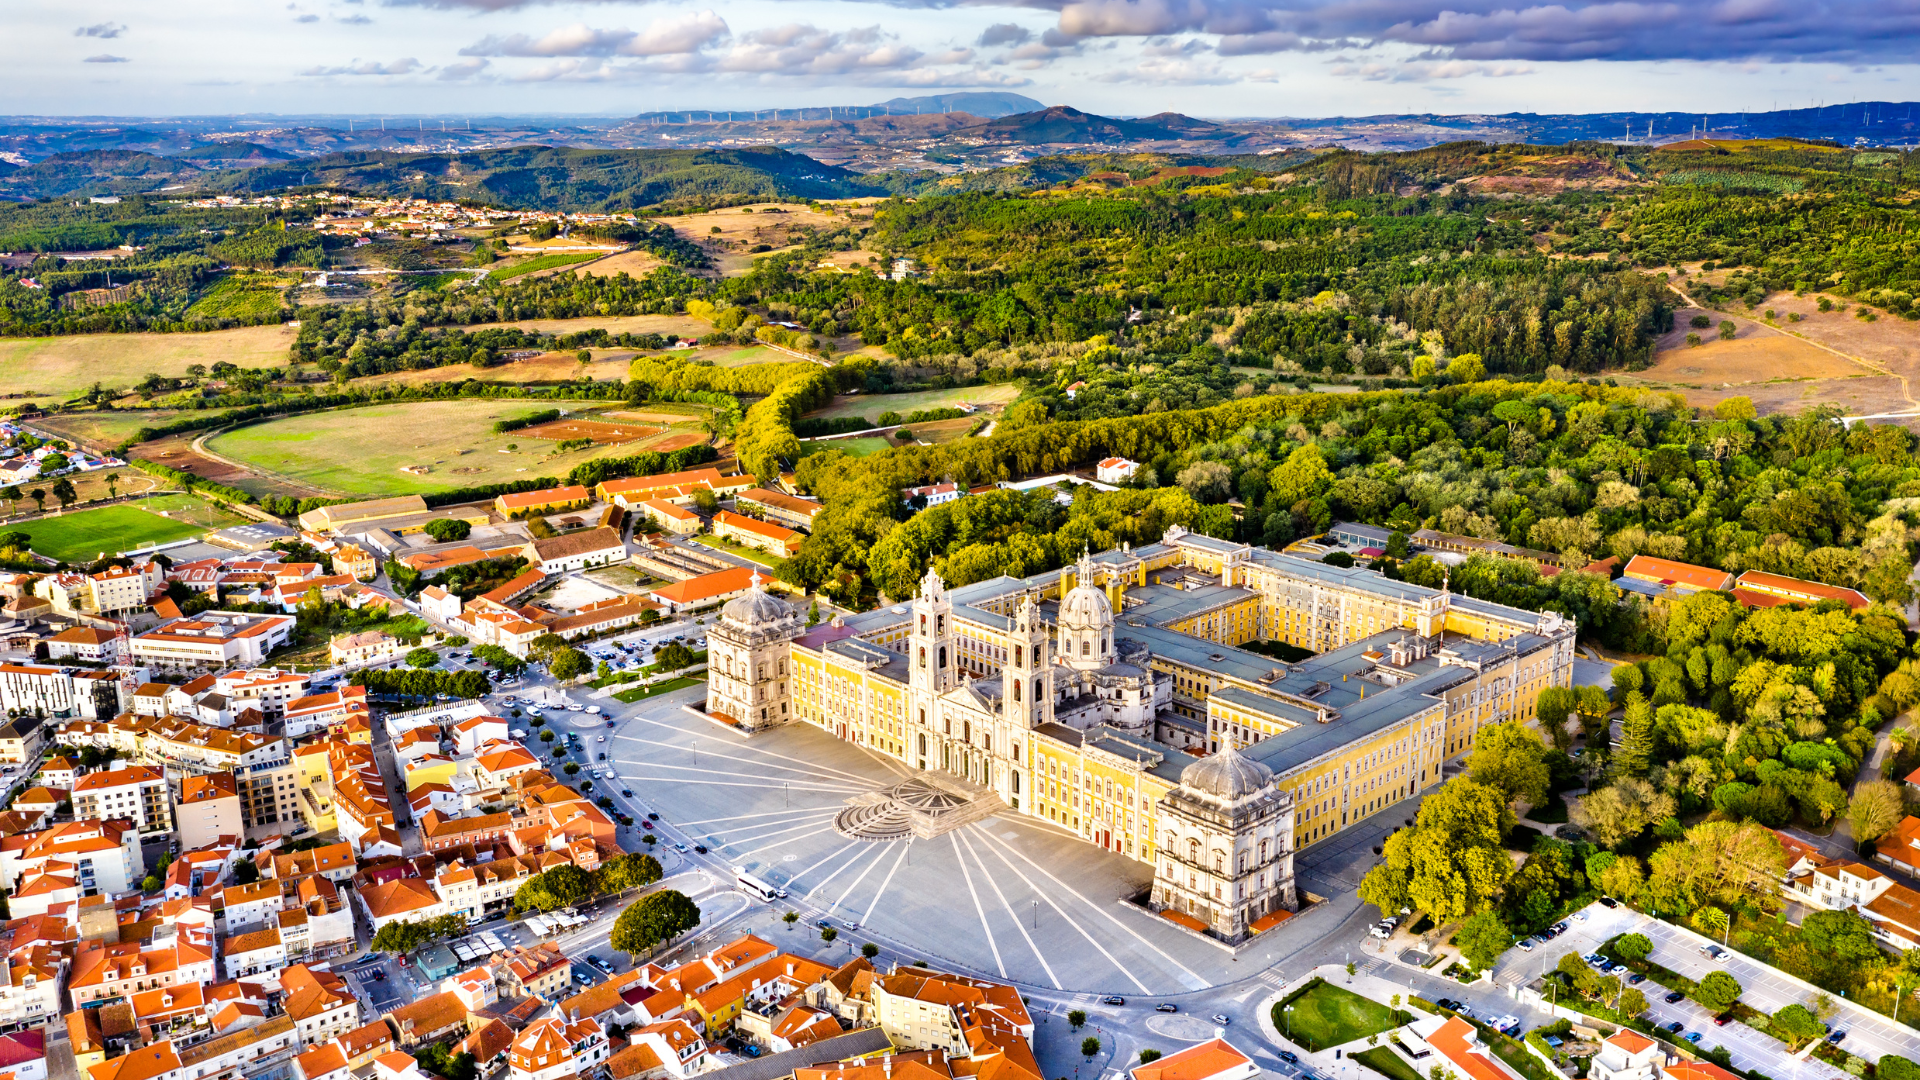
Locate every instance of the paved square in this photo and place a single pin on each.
(1008, 896)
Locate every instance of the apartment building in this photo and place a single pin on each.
(136, 793)
(209, 808)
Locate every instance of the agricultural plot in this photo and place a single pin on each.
(57, 368)
(543, 262)
(362, 451)
(242, 296)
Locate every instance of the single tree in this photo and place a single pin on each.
(1089, 1046)
(790, 917)
(112, 480)
(828, 933)
(63, 490)
(39, 496)
(1482, 939)
(1632, 948)
(1717, 992)
(869, 950)
(1076, 1019)
(1877, 806)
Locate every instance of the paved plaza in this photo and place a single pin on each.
(1008, 895)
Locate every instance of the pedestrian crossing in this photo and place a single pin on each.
(1273, 977)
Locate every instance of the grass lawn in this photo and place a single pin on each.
(56, 368)
(84, 534)
(872, 405)
(871, 444)
(752, 354)
(361, 451)
(1382, 1059)
(545, 262)
(636, 694)
(1324, 1015)
(744, 552)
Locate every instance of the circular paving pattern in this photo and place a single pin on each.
(1184, 1028)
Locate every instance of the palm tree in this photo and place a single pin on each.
(39, 495)
(113, 484)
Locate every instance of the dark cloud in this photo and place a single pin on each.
(355, 19)
(1844, 31)
(105, 58)
(1005, 33)
(309, 17)
(101, 30)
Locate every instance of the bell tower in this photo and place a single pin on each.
(1027, 678)
(931, 662)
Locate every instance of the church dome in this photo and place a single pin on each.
(1086, 604)
(1226, 775)
(755, 608)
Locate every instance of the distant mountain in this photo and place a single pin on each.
(562, 178)
(98, 172)
(230, 154)
(1066, 124)
(988, 104)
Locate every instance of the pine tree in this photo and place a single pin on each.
(1635, 753)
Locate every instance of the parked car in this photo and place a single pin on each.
(1113, 999)
(1166, 1006)
(1837, 1035)
(1722, 1020)
(653, 817)
(1674, 996)
(1524, 944)
(1636, 979)
(1609, 902)
(1289, 1057)
(1580, 916)
(681, 848)
(1676, 1027)
(628, 792)
(648, 825)
(1693, 1037)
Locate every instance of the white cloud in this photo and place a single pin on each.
(680, 34)
(101, 30)
(1425, 70)
(805, 49)
(403, 66)
(463, 69)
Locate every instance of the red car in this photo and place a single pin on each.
(646, 824)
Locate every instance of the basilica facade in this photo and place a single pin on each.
(1110, 698)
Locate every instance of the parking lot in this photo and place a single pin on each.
(1764, 989)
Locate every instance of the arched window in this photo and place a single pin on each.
(1036, 653)
(986, 742)
(943, 658)
(1015, 782)
(923, 622)
(1086, 648)
(1193, 850)
(1037, 695)
(923, 657)
(1016, 691)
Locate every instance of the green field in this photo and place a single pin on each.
(1321, 1015)
(752, 354)
(871, 444)
(361, 451)
(241, 296)
(544, 262)
(872, 405)
(82, 535)
(57, 368)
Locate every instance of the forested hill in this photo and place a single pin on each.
(526, 177)
(564, 178)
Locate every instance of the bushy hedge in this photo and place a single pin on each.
(544, 416)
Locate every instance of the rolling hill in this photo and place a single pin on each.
(562, 178)
(98, 172)
(988, 104)
(1066, 124)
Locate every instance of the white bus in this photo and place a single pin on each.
(757, 887)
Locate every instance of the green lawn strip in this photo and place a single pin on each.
(1383, 1060)
(543, 262)
(639, 693)
(741, 550)
(1324, 1015)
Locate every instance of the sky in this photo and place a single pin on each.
(1215, 58)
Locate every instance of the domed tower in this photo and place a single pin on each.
(1085, 622)
(749, 649)
(1225, 845)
